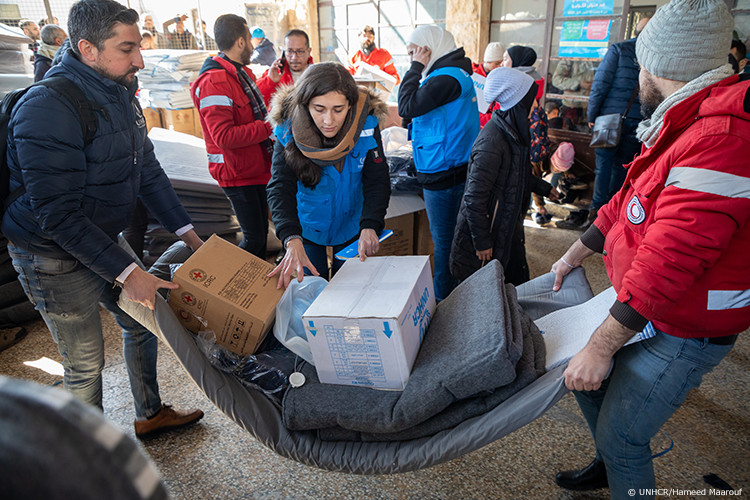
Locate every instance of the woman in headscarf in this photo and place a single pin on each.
(329, 178)
(499, 183)
(437, 95)
(523, 59)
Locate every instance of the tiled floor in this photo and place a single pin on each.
(218, 459)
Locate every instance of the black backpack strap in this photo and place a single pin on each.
(74, 95)
(84, 107)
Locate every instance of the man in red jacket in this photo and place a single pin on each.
(289, 67)
(371, 54)
(675, 241)
(238, 144)
(493, 58)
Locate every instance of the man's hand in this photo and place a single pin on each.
(484, 255)
(274, 72)
(591, 124)
(369, 243)
(572, 259)
(421, 55)
(192, 240)
(295, 259)
(554, 194)
(141, 287)
(587, 369)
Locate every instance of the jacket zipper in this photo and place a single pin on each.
(494, 214)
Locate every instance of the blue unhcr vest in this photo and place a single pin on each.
(329, 213)
(443, 138)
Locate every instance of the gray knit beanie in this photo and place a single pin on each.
(685, 39)
(507, 86)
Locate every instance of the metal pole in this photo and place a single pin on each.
(49, 12)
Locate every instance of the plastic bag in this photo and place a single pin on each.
(394, 138)
(289, 329)
(267, 370)
(402, 171)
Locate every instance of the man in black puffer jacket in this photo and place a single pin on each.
(79, 195)
(499, 183)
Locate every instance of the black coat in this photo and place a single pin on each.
(497, 194)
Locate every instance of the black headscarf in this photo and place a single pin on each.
(522, 56)
(518, 116)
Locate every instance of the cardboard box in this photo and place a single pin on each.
(226, 290)
(400, 219)
(179, 120)
(366, 327)
(423, 238)
(153, 118)
(197, 129)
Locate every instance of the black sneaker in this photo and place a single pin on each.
(575, 220)
(542, 219)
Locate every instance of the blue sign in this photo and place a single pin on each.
(588, 39)
(573, 8)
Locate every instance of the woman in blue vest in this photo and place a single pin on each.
(329, 178)
(437, 95)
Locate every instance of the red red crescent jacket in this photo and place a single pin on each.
(677, 241)
(268, 87)
(378, 57)
(234, 138)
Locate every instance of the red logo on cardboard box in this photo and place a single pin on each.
(198, 275)
(188, 299)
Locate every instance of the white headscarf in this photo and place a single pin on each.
(439, 41)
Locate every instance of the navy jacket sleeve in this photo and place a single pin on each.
(603, 79)
(158, 194)
(376, 187)
(282, 196)
(414, 100)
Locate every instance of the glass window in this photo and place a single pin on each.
(523, 33)
(361, 14)
(742, 4)
(510, 10)
(584, 39)
(429, 11)
(395, 11)
(394, 39)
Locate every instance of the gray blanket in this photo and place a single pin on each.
(480, 349)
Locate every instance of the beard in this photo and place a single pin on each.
(367, 46)
(650, 97)
(125, 80)
(246, 55)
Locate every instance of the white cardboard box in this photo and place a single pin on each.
(366, 327)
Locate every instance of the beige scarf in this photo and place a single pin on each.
(311, 143)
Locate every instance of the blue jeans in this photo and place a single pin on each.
(442, 211)
(319, 257)
(649, 382)
(68, 294)
(251, 208)
(610, 173)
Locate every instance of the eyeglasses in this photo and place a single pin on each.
(298, 52)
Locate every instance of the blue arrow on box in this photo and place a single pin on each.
(387, 329)
(313, 330)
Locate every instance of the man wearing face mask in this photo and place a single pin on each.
(674, 240)
(371, 54)
(437, 95)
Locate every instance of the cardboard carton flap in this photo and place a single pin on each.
(390, 281)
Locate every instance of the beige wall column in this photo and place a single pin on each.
(469, 21)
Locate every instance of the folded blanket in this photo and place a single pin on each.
(479, 341)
